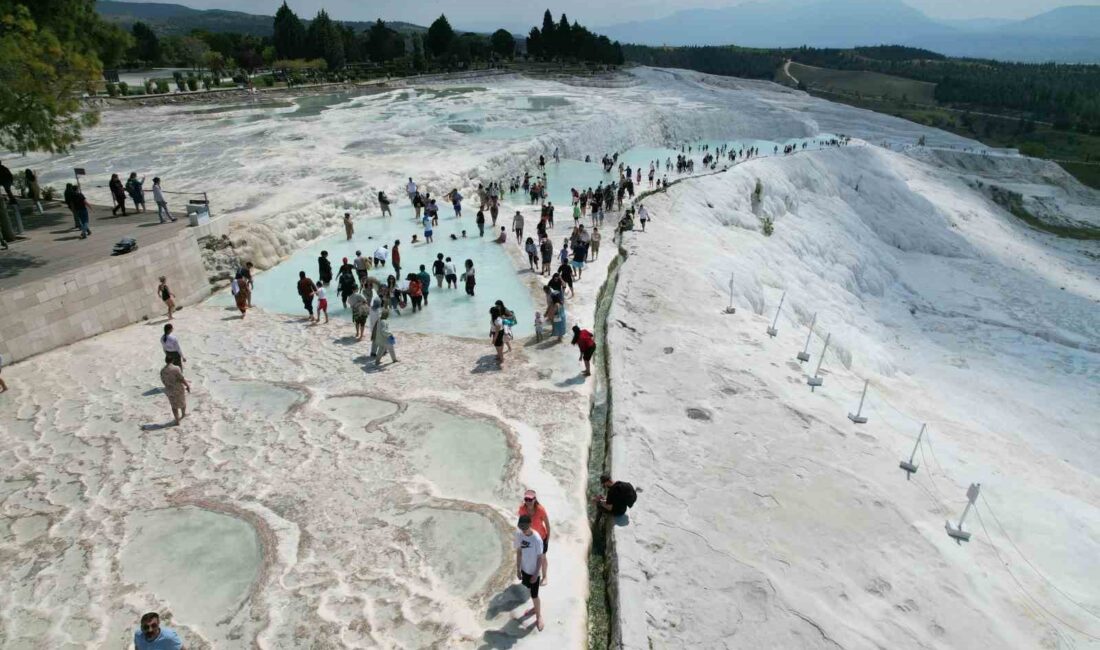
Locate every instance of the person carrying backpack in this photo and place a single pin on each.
(620, 496)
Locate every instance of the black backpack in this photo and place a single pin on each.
(629, 492)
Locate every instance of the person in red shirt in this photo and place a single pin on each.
(395, 258)
(584, 340)
(540, 521)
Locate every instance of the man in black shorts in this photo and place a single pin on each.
(530, 565)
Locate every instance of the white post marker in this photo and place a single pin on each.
(910, 466)
(775, 321)
(816, 381)
(804, 355)
(730, 309)
(857, 417)
(957, 532)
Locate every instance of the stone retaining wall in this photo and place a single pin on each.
(56, 311)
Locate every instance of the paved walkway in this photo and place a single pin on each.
(51, 245)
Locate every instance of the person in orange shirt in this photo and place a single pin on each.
(540, 521)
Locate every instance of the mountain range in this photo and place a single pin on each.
(173, 19)
(1067, 34)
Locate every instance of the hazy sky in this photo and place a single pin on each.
(514, 13)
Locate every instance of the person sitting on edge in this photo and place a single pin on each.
(620, 496)
(151, 636)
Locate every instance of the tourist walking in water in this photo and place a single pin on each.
(162, 204)
(450, 273)
(166, 296)
(118, 193)
(410, 190)
(555, 314)
(532, 254)
(324, 269)
(586, 343)
(384, 203)
(468, 278)
(171, 346)
(530, 565)
(135, 189)
(306, 290)
(425, 283)
(349, 227)
(322, 303)
(176, 388)
(594, 244)
(383, 341)
(151, 636)
(480, 221)
(517, 226)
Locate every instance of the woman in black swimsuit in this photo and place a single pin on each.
(167, 296)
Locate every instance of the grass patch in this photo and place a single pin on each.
(861, 82)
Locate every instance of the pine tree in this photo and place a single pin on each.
(504, 44)
(289, 35)
(325, 41)
(549, 36)
(440, 36)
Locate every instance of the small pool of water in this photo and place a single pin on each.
(199, 564)
(256, 397)
(464, 458)
(462, 547)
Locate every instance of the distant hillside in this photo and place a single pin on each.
(1067, 34)
(172, 19)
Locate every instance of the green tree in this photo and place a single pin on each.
(534, 43)
(214, 62)
(289, 37)
(504, 44)
(385, 44)
(418, 62)
(146, 44)
(563, 33)
(51, 52)
(324, 41)
(440, 36)
(549, 36)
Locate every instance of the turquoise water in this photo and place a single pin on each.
(451, 311)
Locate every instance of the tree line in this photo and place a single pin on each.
(564, 41)
(1066, 95)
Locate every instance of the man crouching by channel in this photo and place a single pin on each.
(530, 565)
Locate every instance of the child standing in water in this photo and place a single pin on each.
(322, 303)
(538, 326)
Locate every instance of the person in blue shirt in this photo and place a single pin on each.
(151, 636)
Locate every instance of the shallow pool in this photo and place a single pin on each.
(451, 311)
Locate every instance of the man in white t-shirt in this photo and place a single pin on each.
(381, 255)
(530, 565)
(410, 189)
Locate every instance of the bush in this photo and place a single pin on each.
(767, 224)
(268, 80)
(206, 82)
(123, 88)
(192, 83)
(112, 90)
(1033, 150)
(48, 193)
(181, 83)
(162, 85)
